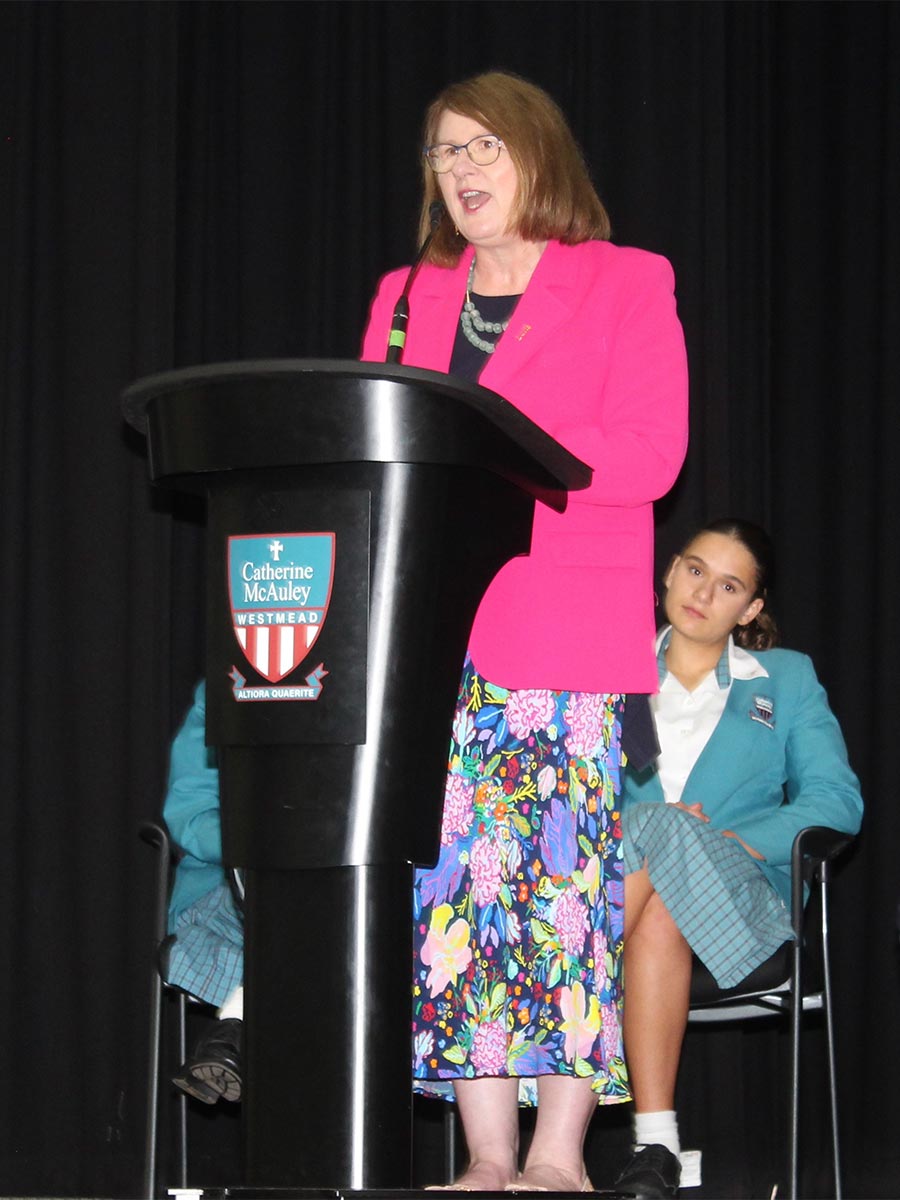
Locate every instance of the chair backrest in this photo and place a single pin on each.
(235, 877)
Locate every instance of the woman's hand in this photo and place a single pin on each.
(695, 810)
(753, 853)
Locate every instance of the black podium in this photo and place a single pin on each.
(356, 514)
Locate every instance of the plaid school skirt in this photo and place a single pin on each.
(206, 959)
(729, 913)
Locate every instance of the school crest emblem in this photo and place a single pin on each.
(279, 591)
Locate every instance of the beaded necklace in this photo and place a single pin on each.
(473, 324)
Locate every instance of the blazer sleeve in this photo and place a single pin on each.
(638, 444)
(820, 787)
(191, 807)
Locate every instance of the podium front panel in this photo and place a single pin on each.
(288, 615)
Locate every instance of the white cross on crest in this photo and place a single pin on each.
(275, 548)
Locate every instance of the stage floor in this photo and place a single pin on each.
(245, 1193)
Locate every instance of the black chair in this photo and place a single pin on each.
(161, 994)
(794, 981)
(165, 995)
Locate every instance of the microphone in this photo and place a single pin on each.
(397, 335)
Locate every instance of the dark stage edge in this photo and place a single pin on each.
(341, 1194)
(246, 1193)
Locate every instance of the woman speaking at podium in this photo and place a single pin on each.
(518, 928)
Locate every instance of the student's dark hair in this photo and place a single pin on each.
(762, 632)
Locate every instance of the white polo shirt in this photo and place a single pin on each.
(685, 720)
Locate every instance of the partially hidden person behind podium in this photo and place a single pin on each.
(750, 754)
(517, 978)
(206, 950)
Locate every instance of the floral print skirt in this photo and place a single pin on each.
(518, 928)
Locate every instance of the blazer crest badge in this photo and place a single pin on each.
(763, 711)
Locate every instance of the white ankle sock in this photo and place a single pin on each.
(233, 1006)
(657, 1129)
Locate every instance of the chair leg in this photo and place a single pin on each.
(181, 1002)
(152, 1126)
(450, 1119)
(796, 1019)
(156, 836)
(829, 1032)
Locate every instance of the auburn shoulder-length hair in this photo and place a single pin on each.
(555, 197)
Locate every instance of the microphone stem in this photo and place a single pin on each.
(400, 319)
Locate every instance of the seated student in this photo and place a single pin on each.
(750, 754)
(206, 958)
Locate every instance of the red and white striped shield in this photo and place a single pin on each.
(279, 592)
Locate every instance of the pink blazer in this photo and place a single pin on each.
(595, 355)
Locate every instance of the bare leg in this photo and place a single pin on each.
(490, 1115)
(657, 995)
(555, 1160)
(638, 892)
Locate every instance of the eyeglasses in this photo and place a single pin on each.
(482, 151)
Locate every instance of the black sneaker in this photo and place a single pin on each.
(653, 1173)
(213, 1072)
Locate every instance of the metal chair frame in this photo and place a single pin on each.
(780, 985)
(156, 834)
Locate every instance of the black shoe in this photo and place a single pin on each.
(652, 1174)
(213, 1072)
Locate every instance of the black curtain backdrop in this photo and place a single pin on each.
(190, 182)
